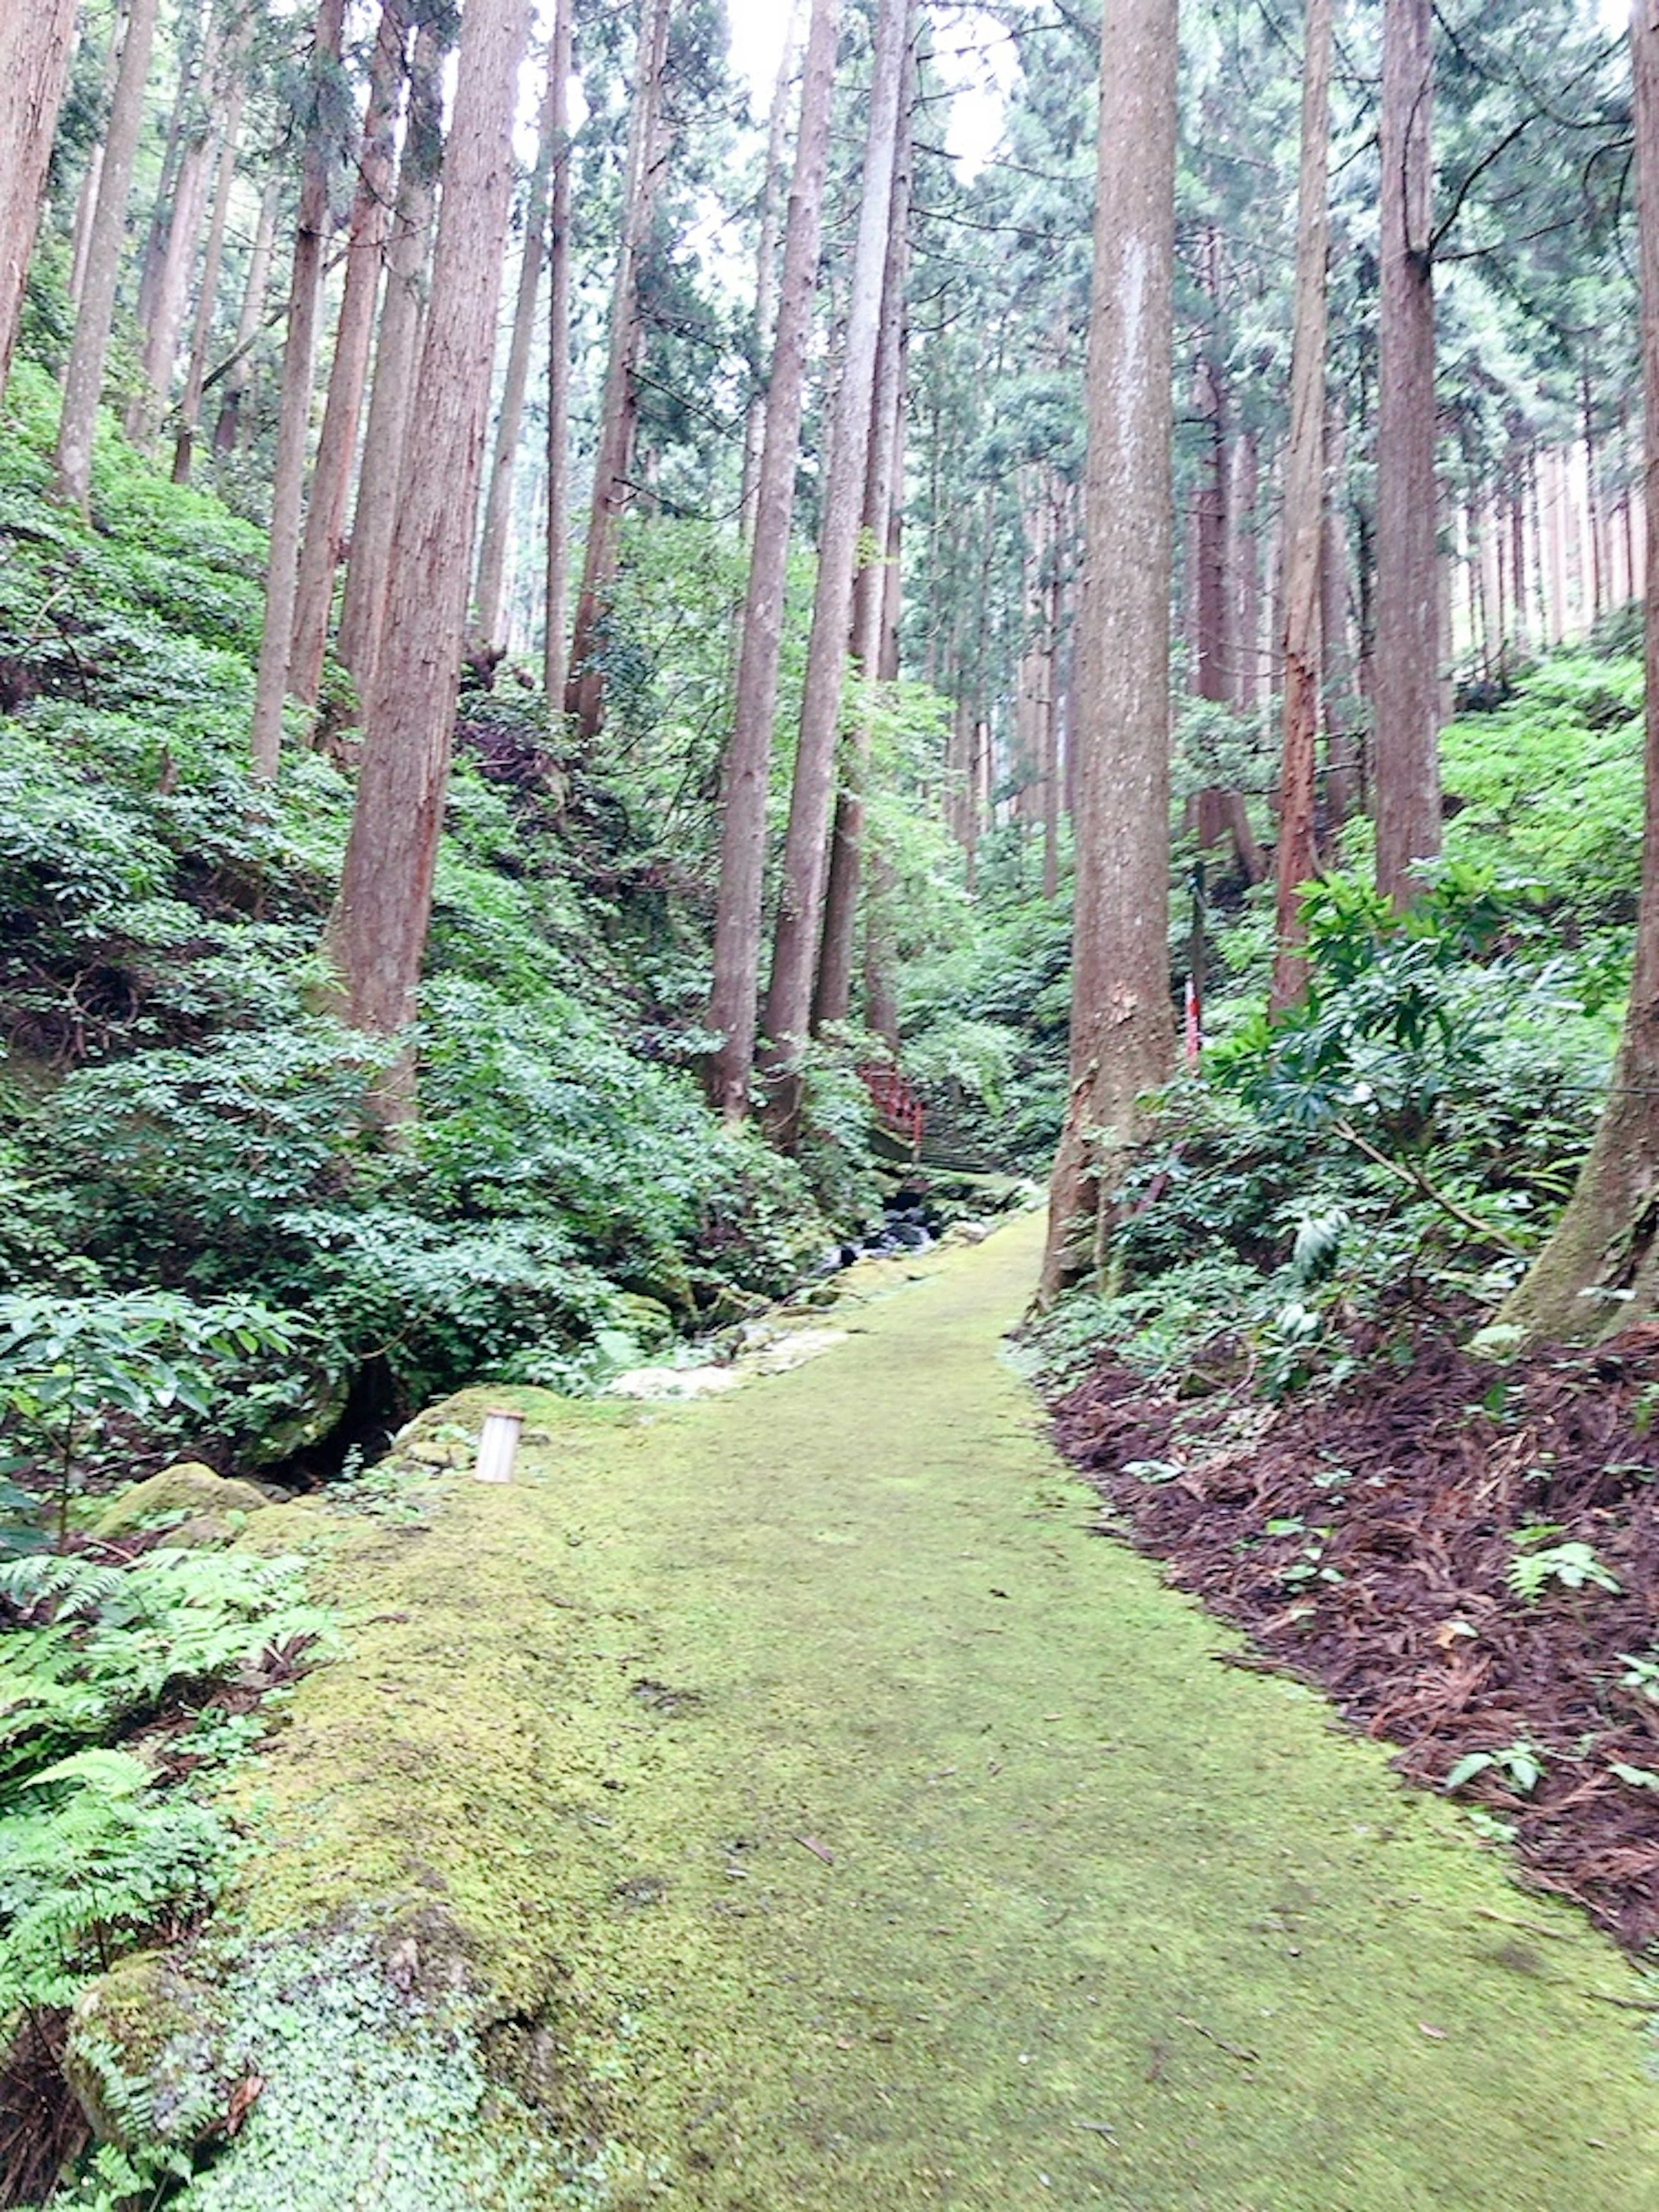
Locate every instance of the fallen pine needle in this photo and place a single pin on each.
(1232, 2049)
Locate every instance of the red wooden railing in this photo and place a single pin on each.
(897, 1103)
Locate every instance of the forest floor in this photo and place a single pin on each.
(840, 1823)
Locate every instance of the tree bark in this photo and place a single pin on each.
(766, 269)
(748, 761)
(239, 379)
(554, 660)
(1407, 654)
(200, 104)
(585, 684)
(1122, 1034)
(498, 495)
(299, 366)
(189, 405)
(1601, 1268)
(353, 337)
(34, 51)
(83, 381)
(362, 609)
(832, 999)
(800, 901)
(1305, 516)
(377, 933)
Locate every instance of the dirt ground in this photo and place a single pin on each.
(1411, 1544)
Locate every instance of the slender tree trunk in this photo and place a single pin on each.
(1408, 569)
(239, 378)
(1122, 1034)
(800, 900)
(1304, 514)
(86, 203)
(83, 381)
(34, 51)
(362, 611)
(766, 267)
(190, 405)
(585, 684)
(833, 991)
(554, 620)
(881, 1013)
(1601, 1268)
(198, 125)
(377, 934)
(354, 338)
(1247, 543)
(749, 755)
(299, 366)
(498, 496)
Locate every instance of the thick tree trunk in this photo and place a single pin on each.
(299, 366)
(749, 755)
(34, 51)
(487, 628)
(353, 337)
(377, 934)
(1601, 1268)
(832, 998)
(190, 405)
(83, 381)
(1122, 1033)
(1407, 657)
(585, 684)
(787, 1017)
(362, 609)
(1305, 516)
(554, 620)
(239, 378)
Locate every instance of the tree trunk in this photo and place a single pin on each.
(377, 933)
(190, 405)
(1122, 1034)
(498, 497)
(239, 378)
(748, 761)
(881, 1013)
(766, 269)
(362, 611)
(1407, 570)
(299, 365)
(83, 381)
(198, 125)
(801, 898)
(1304, 515)
(353, 337)
(554, 660)
(1601, 1268)
(86, 201)
(833, 991)
(34, 50)
(585, 684)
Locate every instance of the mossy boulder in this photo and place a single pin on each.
(188, 1492)
(147, 2057)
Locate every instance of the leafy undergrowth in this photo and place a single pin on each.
(1466, 1556)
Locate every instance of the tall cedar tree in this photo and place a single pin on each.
(1407, 652)
(811, 796)
(34, 50)
(83, 379)
(354, 338)
(1600, 1267)
(293, 419)
(749, 755)
(377, 933)
(584, 698)
(213, 254)
(558, 363)
(1304, 511)
(1122, 1032)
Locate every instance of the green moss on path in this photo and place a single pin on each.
(868, 1834)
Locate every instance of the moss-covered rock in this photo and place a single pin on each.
(147, 2057)
(187, 1493)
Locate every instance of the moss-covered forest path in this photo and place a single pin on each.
(882, 1838)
